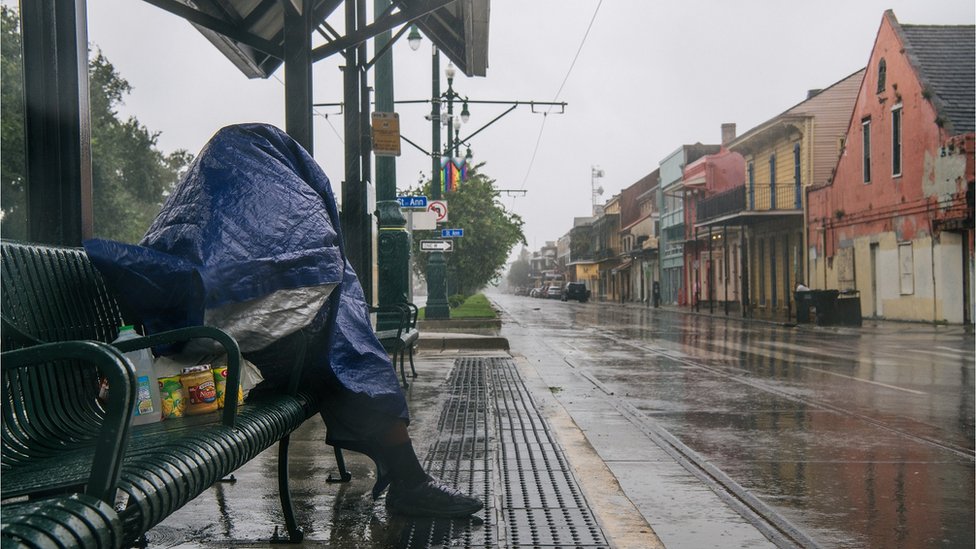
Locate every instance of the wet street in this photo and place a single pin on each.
(727, 433)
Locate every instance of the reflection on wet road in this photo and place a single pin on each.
(855, 437)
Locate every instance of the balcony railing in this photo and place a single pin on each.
(764, 197)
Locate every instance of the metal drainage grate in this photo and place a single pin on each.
(492, 439)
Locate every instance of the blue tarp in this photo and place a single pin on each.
(253, 215)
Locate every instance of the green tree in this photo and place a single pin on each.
(490, 231)
(518, 273)
(13, 224)
(130, 176)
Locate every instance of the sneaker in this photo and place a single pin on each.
(431, 498)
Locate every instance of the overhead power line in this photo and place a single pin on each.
(569, 71)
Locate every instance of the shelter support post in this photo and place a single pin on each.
(57, 121)
(298, 73)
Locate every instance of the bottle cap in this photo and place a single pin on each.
(200, 368)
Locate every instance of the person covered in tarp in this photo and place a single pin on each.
(249, 241)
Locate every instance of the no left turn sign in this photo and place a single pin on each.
(439, 207)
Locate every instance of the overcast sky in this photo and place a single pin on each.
(650, 77)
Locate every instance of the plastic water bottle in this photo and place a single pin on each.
(148, 407)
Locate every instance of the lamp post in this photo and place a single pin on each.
(437, 307)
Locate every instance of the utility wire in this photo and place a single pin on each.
(542, 127)
(316, 112)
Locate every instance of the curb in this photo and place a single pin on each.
(457, 342)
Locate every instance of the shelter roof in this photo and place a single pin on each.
(250, 33)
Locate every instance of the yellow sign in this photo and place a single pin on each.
(386, 134)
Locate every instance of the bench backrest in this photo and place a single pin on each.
(50, 294)
(54, 294)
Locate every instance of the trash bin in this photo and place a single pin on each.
(848, 308)
(804, 303)
(818, 306)
(826, 306)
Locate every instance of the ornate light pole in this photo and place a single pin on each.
(437, 307)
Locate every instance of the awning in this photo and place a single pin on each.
(622, 267)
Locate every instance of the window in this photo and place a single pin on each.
(772, 181)
(866, 145)
(772, 270)
(882, 75)
(896, 140)
(752, 187)
(761, 271)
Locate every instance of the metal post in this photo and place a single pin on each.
(57, 121)
(437, 307)
(298, 73)
(366, 219)
(725, 263)
(393, 249)
(711, 274)
(744, 270)
(354, 204)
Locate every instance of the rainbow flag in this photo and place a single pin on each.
(453, 173)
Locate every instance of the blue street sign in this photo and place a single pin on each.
(451, 233)
(412, 201)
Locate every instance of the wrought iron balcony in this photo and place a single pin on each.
(764, 197)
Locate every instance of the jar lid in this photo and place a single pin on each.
(200, 368)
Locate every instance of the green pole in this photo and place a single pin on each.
(393, 249)
(437, 307)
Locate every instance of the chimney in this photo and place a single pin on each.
(728, 132)
(813, 93)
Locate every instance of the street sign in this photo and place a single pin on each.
(451, 233)
(386, 134)
(436, 246)
(413, 202)
(439, 207)
(422, 221)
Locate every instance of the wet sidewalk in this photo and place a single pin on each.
(477, 425)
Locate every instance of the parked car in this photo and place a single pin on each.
(576, 290)
(554, 292)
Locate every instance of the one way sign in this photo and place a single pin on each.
(436, 246)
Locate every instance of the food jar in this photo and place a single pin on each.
(199, 390)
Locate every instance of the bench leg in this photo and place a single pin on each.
(413, 370)
(403, 375)
(295, 534)
(344, 474)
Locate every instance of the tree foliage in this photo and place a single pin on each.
(130, 176)
(518, 273)
(490, 232)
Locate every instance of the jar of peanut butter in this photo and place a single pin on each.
(199, 390)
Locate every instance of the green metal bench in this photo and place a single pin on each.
(72, 521)
(55, 434)
(403, 339)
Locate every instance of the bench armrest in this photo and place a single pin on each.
(400, 313)
(200, 332)
(113, 435)
(413, 312)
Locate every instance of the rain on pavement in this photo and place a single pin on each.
(851, 437)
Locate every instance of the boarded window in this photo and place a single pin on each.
(845, 269)
(906, 268)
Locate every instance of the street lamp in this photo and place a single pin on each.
(414, 39)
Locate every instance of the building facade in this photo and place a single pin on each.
(671, 202)
(896, 221)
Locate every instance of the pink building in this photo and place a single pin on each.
(896, 221)
(714, 275)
